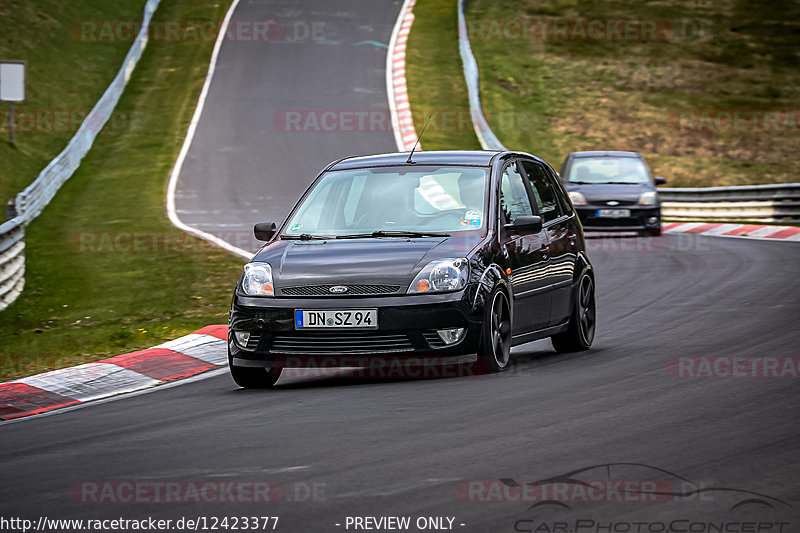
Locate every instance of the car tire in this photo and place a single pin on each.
(651, 233)
(580, 332)
(495, 347)
(254, 378)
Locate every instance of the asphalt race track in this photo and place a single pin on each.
(351, 446)
(381, 447)
(264, 133)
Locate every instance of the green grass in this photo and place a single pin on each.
(81, 306)
(553, 96)
(435, 80)
(64, 74)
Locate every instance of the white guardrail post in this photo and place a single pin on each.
(12, 261)
(30, 202)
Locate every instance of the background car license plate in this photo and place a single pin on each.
(336, 318)
(614, 213)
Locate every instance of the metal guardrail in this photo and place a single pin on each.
(486, 136)
(29, 203)
(763, 203)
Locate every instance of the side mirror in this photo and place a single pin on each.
(264, 231)
(531, 223)
(661, 181)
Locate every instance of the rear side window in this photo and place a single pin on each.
(561, 193)
(514, 201)
(543, 190)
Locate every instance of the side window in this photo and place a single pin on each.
(561, 194)
(543, 190)
(514, 201)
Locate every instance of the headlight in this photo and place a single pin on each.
(577, 198)
(257, 280)
(442, 275)
(648, 198)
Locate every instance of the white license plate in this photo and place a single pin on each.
(336, 318)
(614, 213)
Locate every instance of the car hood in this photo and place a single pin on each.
(382, 260)
(603, 192)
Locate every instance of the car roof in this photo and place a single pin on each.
(433, 157)
(605, 153)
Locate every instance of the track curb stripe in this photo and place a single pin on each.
(19, 399)
(187, 356)
(161, 364)
(748, 231)
(405, 134)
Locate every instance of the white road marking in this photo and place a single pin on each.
(187, 143)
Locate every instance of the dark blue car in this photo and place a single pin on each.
(613, 191)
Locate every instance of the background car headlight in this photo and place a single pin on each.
(257, 280)
(648, 198)
(442, 275)
(577, 198)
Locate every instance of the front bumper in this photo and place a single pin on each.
(407, 327)
(642, 218)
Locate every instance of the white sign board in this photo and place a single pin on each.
(12, 81)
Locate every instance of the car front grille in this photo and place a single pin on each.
(321, 343)
(352, 290)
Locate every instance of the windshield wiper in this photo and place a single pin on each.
(393, 233)
(306, 237)
(605, 182)
(401, 233)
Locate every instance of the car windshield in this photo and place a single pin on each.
(404, 200)
(608, 170)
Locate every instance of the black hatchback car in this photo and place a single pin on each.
(613, 191)
(436, 255)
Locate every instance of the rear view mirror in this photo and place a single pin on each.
(264, 231)
(661, 181)
(531, 223)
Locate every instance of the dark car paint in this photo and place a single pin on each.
(388, 260)
(623, 196)
(533, 283)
